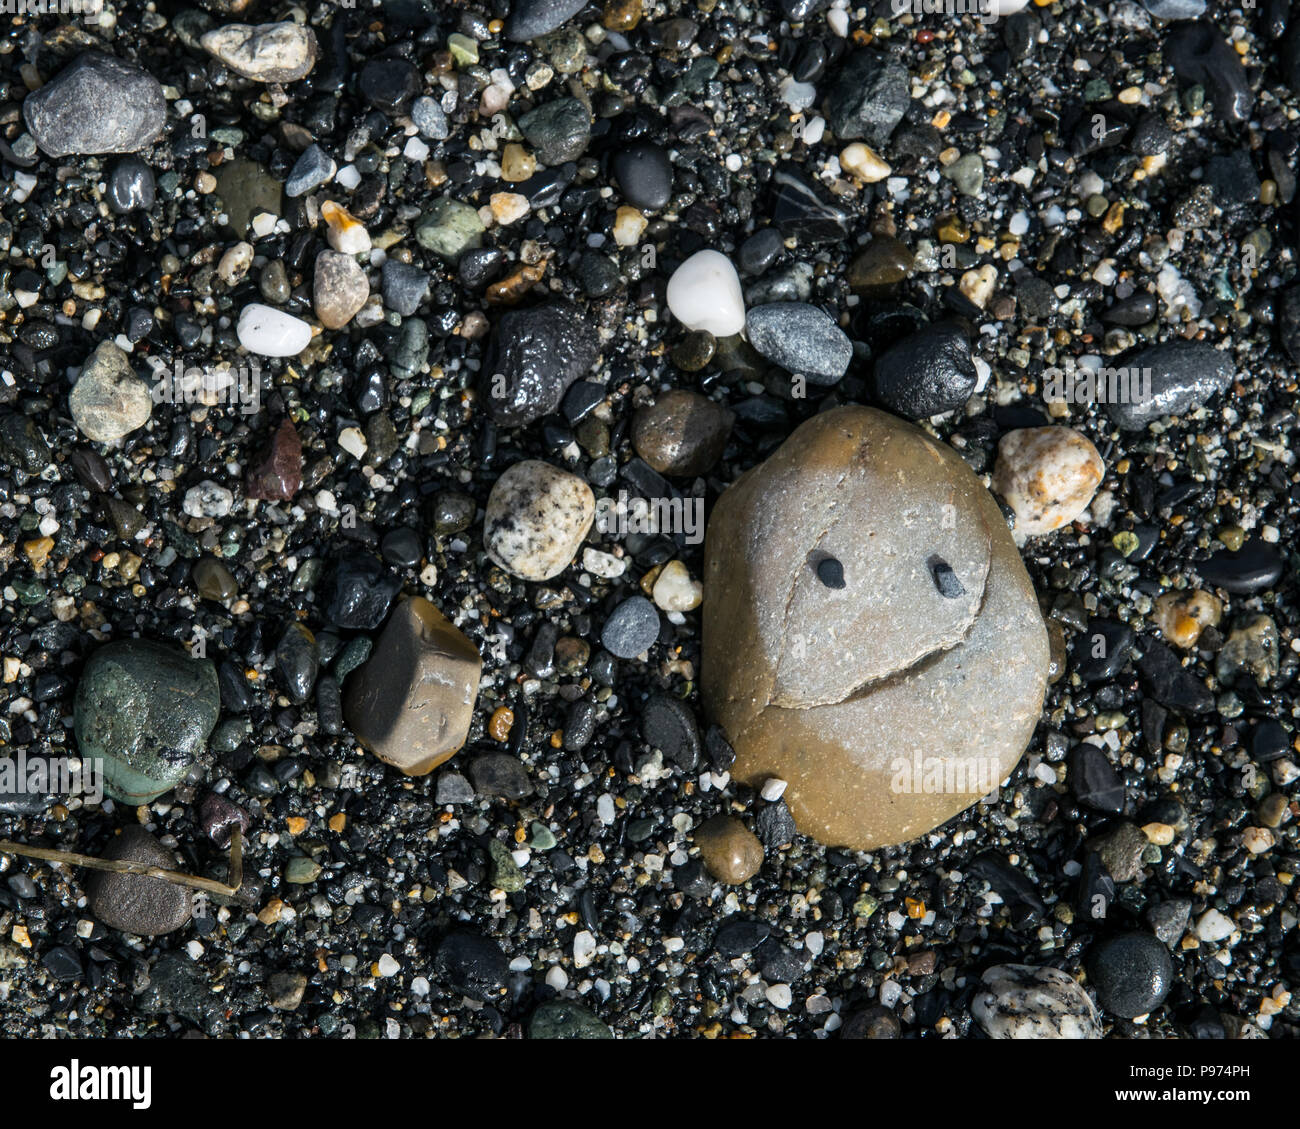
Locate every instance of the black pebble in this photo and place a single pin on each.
(830, 572)
(945, 580)
(1132, 974)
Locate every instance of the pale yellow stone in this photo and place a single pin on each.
(507, 207)
(860, 161)
(517, 164)
(629, 224)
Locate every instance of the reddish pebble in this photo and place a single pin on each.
(279, 475)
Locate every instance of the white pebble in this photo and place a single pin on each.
(353, 442)
(604, 565)
(704, 293)
(773, 789)
(388, 965)
(778, 995)
(1214, 926)
(269, 332)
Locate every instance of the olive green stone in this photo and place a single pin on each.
(246, 190)
(144, 710)
(450, 228)
(125, 517)
(301, 870)
(213, 581)
(870, 634)
(506, 874)
(694, 351)
(563, 1019)
(884, 262)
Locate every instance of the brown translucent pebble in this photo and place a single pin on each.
(884, 262)
(731, 852)
(871, 636)
(682, 433)
(279, 475)
(411, 704)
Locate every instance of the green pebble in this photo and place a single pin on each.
(563, 1019)
(302, 870)
(506, 874)
(865, 906)
(354, 654)
(449, 229)
(145, 711)
(1125, 542)
(540, 837)
(463, 49)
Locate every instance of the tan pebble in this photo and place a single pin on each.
(1257, 840)
(517, 164)
(731, 852)
(507, 207)
(38, 550)
(1161, 834)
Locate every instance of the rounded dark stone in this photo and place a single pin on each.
(564, 1019)
(1131, 972)
(388, 83)
(402, 547)
(1254, 567)
(926, 374)
(130, 186)
(644, 175)
(136, 903)
(471, 964)
(668, 724)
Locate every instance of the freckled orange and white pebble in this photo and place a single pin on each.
(346, 234)
(1048, 475)
(1182, 616)
(507, 207)
(628, 226)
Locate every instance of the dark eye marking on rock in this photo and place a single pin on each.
(945, 579)
(829, 571)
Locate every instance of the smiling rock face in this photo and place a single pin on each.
(870, 634)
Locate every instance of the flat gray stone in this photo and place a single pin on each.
(98, 104)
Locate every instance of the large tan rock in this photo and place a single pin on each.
(412, 702)
(870, 633)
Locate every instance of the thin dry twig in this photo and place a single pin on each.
(71, 858)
